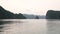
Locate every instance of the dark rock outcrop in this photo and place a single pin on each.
(37, 17)
(19, 16)
(4, 14)
(51, 14)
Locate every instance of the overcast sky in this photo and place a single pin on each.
(38, 7)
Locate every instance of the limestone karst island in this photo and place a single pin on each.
(5, 14)
(53, 14)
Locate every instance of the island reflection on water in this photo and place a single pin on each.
(29, 26)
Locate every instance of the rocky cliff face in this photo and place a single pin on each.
(51, 14)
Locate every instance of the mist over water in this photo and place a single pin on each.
(29, 26)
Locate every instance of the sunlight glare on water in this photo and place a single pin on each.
(29, 26)
(24, 27)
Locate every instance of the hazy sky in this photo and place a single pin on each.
(38, 7)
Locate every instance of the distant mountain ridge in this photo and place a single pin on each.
(5, 14)
(30, 16)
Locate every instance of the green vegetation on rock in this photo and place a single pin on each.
(4, 14)
(51, 14)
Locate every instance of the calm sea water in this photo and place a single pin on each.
(29, 26)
